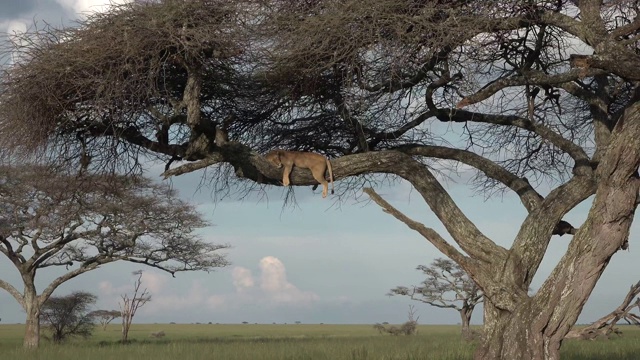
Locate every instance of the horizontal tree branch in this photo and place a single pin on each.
(530, 78)
(193, 166)
(576, 152)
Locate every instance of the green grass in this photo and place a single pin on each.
(286, 342)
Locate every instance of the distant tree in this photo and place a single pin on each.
(245, 322)
(52, 218)
(447, 286)
(298, 322)
(130, 304)
(104, 317)
(66, 316)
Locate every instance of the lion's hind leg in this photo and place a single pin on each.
(325, 185)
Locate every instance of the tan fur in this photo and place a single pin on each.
(317, 163)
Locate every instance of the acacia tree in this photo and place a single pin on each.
(67, 315)
(105, 317)
(535, 90)
(79, 223)
(447, 286)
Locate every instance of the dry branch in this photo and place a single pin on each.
(604, 326)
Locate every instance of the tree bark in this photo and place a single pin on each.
(535, 326)
(465, 316)
(32, 308)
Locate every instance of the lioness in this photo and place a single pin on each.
(317, 163)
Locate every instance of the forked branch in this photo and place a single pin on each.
(529, 197)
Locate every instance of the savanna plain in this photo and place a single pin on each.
(288, 342)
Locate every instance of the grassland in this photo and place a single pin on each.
(286, 342)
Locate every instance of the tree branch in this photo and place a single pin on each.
(13, 291)
(532, 240)
(46, 293)
(396, 134)
(463, 231)
(16, 258)
(431, 235)
(432, 303)
(529, 197)
(531, 77)
(193, 166)
(576, 152)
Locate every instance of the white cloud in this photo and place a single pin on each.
(84, 6)
(270, 289)
(242, 278)
(13, 26)
(278, 289)
(274, 276)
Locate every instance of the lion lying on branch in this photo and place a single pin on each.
(317, 163)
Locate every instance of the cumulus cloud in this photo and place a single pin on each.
(242, 278)
(270, 289)
(274, 284)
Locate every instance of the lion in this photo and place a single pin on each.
(317, 163)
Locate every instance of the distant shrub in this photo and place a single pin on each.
(408, 328)
(158, 334)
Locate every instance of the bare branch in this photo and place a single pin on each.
(532, 78)
(191, 167)
(431, 235)
(46, 293)
(13, 291)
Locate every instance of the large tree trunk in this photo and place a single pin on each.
(32, 308)
(517, 335)
(535, 326)
(465, 316)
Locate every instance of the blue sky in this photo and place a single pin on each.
(317, 262)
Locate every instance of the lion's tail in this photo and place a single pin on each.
(330, 174)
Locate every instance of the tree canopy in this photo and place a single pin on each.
(53, 218)
(67, 316)
(526, 93)
(446, 286)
